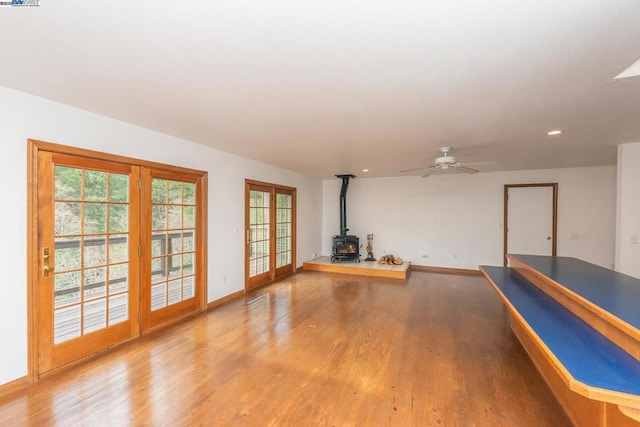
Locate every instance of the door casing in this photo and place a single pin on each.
(34, 147)
(274, 273)
(554, 229)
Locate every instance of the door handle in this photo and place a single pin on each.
(46, 267)
(248, 237)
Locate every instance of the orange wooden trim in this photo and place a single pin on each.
(505, 221)
(226, 299)
(14, 386)
(99, 155)
(445, 270)
(621, 333)
(32, 266)
(630, 411)
(203, 244)
(593, 393)
(268, 185)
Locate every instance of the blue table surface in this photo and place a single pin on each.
(589, 356)
(615, 292)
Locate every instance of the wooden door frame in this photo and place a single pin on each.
(34, 147)
(294, 236)
(554, 227)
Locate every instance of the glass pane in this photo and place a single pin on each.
(158, 266)
(67, 253)
(158, 191)
(159, 217)
(118, 187)
(188, 290)
(158, 244)
(118, 248)
(118, 308)
(67, 218)
(175, 266)
(189, 263)
(189, 242)
(253, 216)
(118, 281)
(118, 218)
(175, 291)
(175, 192)
(67, 183)
(95, 218)
(189, 193)
(66, 324)
(95, 282)
(158, 296)
(175, 217)
(66, 288)
(95, 315)
(95, 185)
(95, 251)
(189, 216)
(175, 243)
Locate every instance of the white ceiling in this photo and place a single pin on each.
(326, 87)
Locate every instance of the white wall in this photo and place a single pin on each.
(24, 116)
(628, 210)
(458, 221)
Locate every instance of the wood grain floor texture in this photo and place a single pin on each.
(315, 349)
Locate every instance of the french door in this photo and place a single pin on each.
(117, 248)
(87, 210)
(270, 218)
(171, 247)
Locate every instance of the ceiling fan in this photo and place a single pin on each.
(445, 163)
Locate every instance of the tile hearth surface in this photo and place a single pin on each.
(362, 268)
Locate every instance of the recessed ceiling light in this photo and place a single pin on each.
(554, 132)
(365, 170)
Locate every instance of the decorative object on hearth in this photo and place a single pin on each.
(390, 260)
(370, 256)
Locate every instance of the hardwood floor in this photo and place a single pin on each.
(315, 349)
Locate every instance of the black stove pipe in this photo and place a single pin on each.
(343, 203)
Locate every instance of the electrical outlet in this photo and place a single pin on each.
(573, 236)
(424, 255)
(633, 239)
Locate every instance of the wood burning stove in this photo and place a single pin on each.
(345, 247)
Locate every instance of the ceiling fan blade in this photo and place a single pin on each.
(466, 169)
(416, 169)
(431, 172)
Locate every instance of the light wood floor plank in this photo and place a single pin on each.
(314, 349)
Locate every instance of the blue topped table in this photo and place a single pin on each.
(614, 292)
(580, 324)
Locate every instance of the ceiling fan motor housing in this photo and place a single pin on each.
(446, 160)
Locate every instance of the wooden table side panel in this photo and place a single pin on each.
(581, 410)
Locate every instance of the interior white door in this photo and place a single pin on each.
(530, 220)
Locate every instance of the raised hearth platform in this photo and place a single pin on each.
(362, 268)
